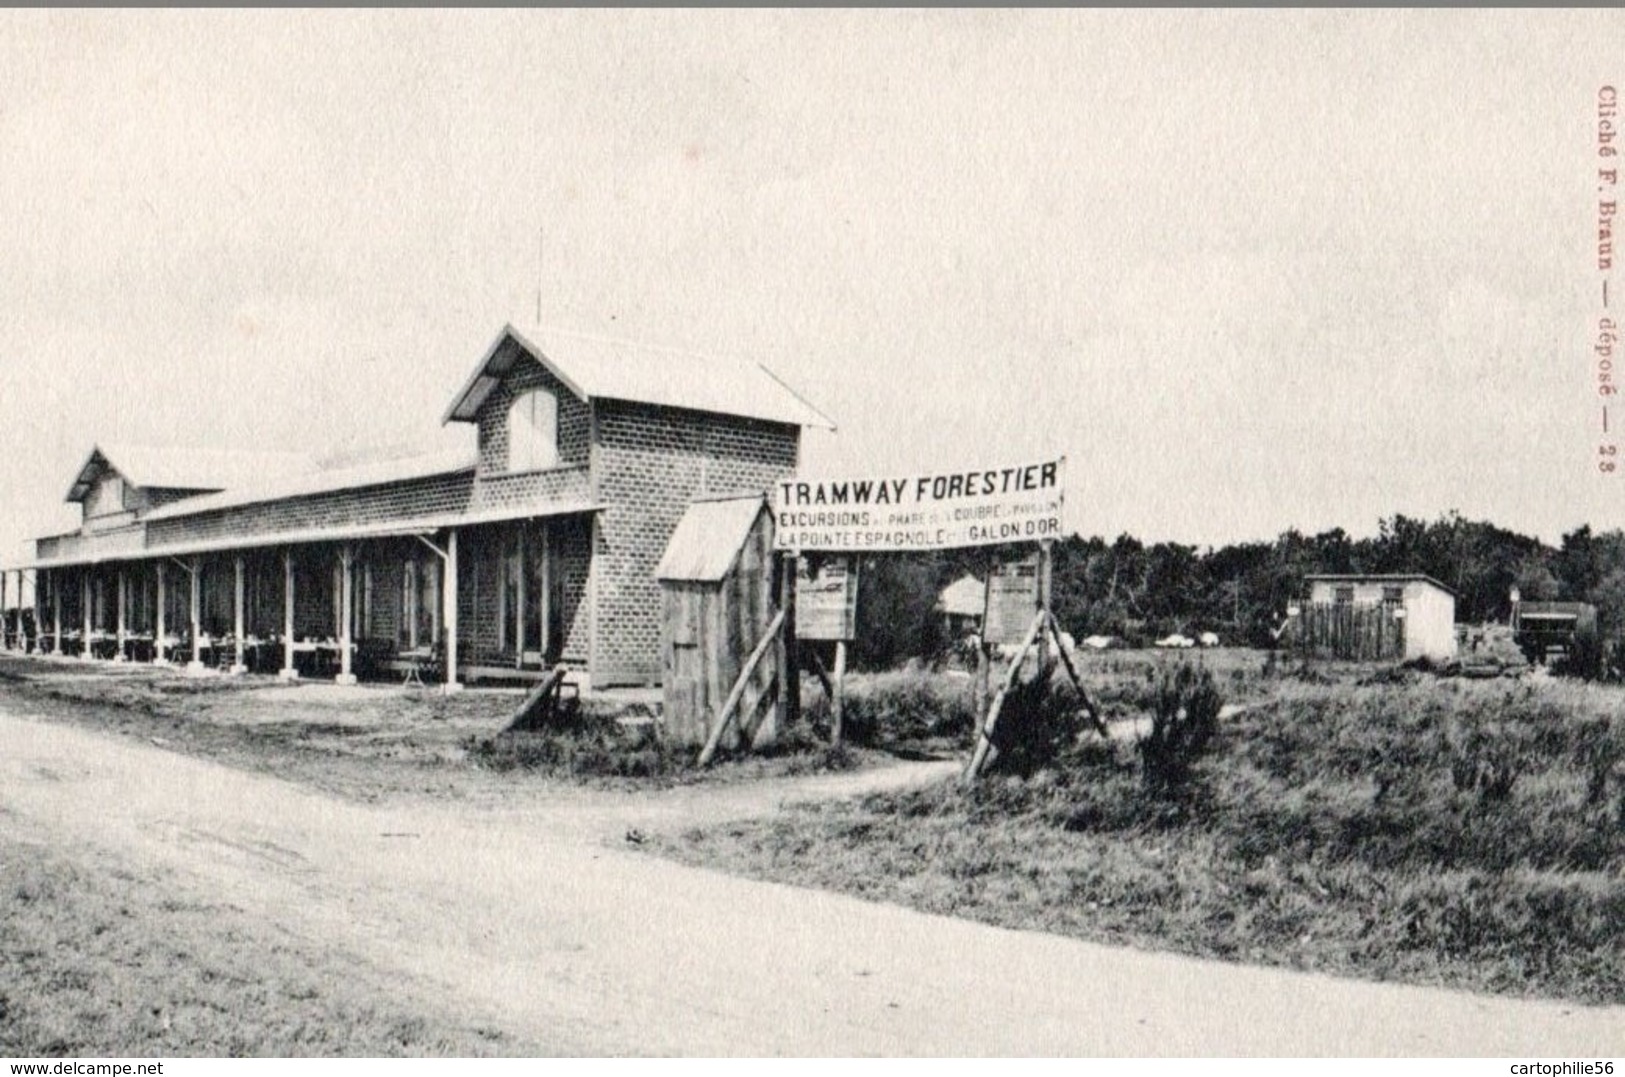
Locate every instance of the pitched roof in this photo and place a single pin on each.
(1379, 577)
(173, 467)
(965, 597)
(599, 368)
(708, 538)
(313, 481)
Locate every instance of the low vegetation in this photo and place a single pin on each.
(600, 747)
(105, 960)
(1379, 823)
(369, 745)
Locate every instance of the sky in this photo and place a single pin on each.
(1247, 271)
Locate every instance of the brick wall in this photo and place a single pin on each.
(568, 483)
(362, 505)
(574, 417)
(649, 463)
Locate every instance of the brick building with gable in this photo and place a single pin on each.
(540, 547)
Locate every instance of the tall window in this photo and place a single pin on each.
(533, 431)
(420, 603)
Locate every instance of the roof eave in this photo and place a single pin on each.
(81, 484)
(466, 404)
(824, 423)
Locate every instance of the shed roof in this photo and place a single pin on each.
(1379, 577)
(173, 467)
(600, 368)
(965, 597)
(708, 538)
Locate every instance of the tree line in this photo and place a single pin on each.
(1139, 592)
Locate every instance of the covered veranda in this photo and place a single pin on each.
(380, 600)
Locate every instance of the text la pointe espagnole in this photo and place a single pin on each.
(994, 482)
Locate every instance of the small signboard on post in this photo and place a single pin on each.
(827, 598)
(1012, 600)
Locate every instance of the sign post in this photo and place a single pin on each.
(947, 510)
(827, 609)
(789, 706)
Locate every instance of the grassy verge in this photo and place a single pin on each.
(103, 960)
(375, 744)
(1388, 827)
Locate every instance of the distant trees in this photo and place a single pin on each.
(1129, 589)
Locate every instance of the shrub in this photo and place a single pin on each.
(1040, 720)
(1184, 708)
(900, 709)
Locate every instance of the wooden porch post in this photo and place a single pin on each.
(196, 664)
(448, 598)
(288, 671)
(39, 616)
(346, 611)
(160, 655)
(56, 611)
(84, 618)
(237, 666)
(123, 630)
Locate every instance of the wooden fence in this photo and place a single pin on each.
(1344, 630)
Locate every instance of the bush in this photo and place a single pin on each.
(907, 708)
(1184, 708)
(589, 746)
(1040, 720)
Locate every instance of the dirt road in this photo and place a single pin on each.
(545, 922)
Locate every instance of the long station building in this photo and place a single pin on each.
(537, 548)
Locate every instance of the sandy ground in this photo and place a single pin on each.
(544, 920)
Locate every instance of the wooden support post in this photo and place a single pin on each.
(788, 711)
(160, 653)
(84, 617)
(195, 571)
(979, 679)
(837, 728)
(5, 612)
(39, 615)
(821, 673)
(123, 629)
(1077, 682)
(1045, 578)
(449, 617)
(725, 715)
(541, 706)
(346, 612)
(237, 666)
(985, 751)
(288, 672)
(56, 611)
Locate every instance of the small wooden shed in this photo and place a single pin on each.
(717, 591)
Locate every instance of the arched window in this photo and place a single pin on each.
(533, 431)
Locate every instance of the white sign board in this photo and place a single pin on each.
(980, 507)
(1012, 601)
(827, 599)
